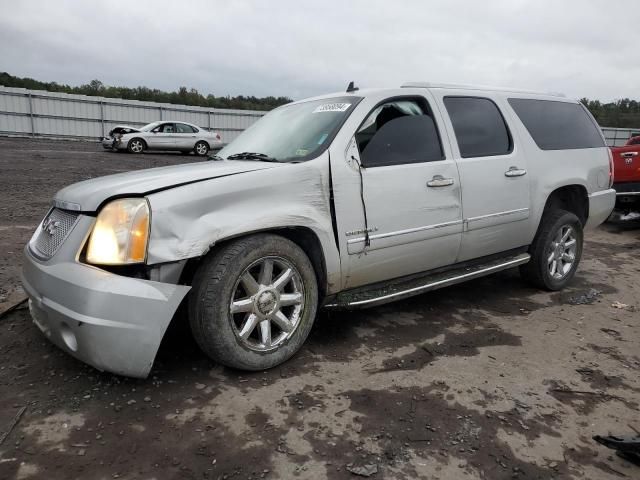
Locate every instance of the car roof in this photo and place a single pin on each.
(487, 88)
(177, 121)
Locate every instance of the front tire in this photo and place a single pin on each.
(201, 149)
(555, 252)
(253, 302)
(136, 145)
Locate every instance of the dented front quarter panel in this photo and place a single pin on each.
(187, 221)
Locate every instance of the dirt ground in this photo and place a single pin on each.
(491, 379)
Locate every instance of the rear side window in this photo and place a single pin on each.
(184, 128)
(399, 132)
(557, 125)
(479, 126)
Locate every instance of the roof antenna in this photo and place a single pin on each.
(352, 88)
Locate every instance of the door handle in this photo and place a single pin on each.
(515, 172)
(628, 154)
(439, 181)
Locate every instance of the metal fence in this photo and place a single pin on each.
(51, 114)
(617, 137)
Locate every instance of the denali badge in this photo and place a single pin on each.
(351, 233)
(50, 226)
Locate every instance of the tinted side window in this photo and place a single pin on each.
(557, 125)
(399, 132)
(480, 129)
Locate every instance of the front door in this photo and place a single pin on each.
(162, 137)
(410, 193)
(493, 172)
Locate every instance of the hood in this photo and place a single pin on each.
(88, 195)
(123, 129)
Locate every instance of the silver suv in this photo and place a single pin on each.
(341, 201)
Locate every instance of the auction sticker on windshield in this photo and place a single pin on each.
(332, 107)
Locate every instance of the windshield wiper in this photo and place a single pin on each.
(252, 156)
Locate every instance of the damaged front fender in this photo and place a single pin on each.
(187, 221)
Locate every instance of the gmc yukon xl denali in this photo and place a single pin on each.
(341, 201)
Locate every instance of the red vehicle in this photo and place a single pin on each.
(626, 177)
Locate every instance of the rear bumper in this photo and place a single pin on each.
(600, 207)
(627, 192)
(111, 322)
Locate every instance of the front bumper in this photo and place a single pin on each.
(108, 143)
(600, 206)
(111, 322)
(113, 144)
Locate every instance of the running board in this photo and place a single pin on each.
(372, 296)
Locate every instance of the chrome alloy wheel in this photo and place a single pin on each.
(137, 146)
(562, 252)
(202, 149)
(267, 303)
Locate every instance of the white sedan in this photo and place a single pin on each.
(169, 135)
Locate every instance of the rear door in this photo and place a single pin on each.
(185, 136)
(493, 174)
(410, 192)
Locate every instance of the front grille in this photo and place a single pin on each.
(52, 231)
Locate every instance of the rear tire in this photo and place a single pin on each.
(555, 252)
(247, 315)
(136, 145)
(201, 148)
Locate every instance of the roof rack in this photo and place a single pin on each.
(475, 87)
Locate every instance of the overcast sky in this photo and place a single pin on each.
(301, 48)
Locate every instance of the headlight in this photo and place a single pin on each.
(120, 234)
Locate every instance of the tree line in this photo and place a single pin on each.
(183, 96)
(623, 113)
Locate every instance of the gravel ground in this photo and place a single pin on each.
(490, 379)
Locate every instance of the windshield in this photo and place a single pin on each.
(295, 132)
(149, 127)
